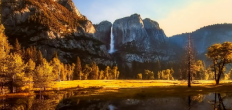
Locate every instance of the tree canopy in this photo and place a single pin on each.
(220, 55)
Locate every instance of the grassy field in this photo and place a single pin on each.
(131, 83)
(135, 88)
(105, 89)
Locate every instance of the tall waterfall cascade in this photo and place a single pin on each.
(112, 50)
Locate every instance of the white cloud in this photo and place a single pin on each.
(196, 15)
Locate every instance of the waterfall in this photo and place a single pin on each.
(111, 41)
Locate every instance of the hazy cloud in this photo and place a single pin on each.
(196, 15)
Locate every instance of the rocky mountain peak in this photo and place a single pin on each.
(139, 40)
(128, 29)
(69, 5)
(148, 23)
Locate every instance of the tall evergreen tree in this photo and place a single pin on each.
(43, 74)
(17, 48)
(14, 72)
(57, 67)
(95, 71)
(39, 59)
(78, 70)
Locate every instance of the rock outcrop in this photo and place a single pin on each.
(53, 25)
(103, 31)
(69, 5)
(139, 40)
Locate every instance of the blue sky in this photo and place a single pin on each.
(174, 16)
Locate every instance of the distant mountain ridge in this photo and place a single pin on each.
(204, 37)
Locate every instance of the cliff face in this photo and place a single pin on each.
(127, 30)
(103, 31)
(139, 40)
(53, 25)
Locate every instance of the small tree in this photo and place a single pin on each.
(106, 72)
(39, 58)
(78, 70)
(149, 74)
(29, 71)
(140, 76)
(115, 71)
(230, 74)
(17, 48)
(101, 75)
(94, 74)
(86, 72)
(57, 65)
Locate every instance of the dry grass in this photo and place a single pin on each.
(129, 83)
(134, 88)
(16, 95)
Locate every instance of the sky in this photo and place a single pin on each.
(173, 16)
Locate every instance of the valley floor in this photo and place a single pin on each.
(132, 83)
(125, 88)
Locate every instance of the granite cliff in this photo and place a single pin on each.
(103, 31)
(139, 40)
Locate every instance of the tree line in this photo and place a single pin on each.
(19, 67)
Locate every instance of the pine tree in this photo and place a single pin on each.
(55, 55)
(39, 59)
(57, 65)
(29, 71)
(15, 75)
(17, 48)
(78, 70)
(43, 74)
(106, 72)
(101, 75)
(95, 71)
(4, 52)
(115, 71)
(87, 70)
(118, 73)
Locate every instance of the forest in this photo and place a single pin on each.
(21, 66)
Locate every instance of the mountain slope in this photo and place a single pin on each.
(53, 25)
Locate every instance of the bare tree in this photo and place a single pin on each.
(190, 59)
